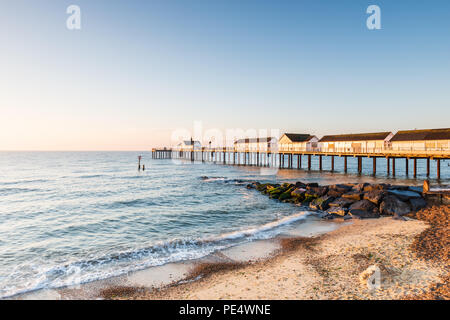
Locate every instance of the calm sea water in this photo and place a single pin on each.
(74, 217)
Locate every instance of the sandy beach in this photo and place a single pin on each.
(329, 266)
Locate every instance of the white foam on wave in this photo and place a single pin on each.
(255, 231)
(78, 272)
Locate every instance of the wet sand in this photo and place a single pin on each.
(323, 267)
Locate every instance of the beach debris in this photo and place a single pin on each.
(371, 277)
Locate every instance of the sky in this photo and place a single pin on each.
(138, 72)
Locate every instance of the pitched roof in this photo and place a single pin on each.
(298, 137)
(428, 134)
(356, 137)
(253, 140)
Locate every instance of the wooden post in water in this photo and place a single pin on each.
(309, 162)
(407, 166)
(332, 163)
(299, 161)
(345, 164)
(320, 162)
(428, 167)
(139, 163)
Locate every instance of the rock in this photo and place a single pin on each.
(352, 195)
(417, 203)
(324, 202)
(300, 184)
(360, 187)
(392, 205)
(335, 193)
(363, 214)
(374, 196)
(404, 195)
(285, 195)
(418, 189)
(340, 211)
(341, 187)
(341, 202)
(261, 187)
(373, 187)
(318, 191)
(313, 205)
(298, 192)
(312, 184)
(275, 192)
(364, 205)
(398, 187)
(321, 203)
(309, 198)
(286, 185)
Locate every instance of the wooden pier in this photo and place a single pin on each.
(284, 159)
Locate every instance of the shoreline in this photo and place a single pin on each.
(169, 274)
(322, 267)
(351, 221)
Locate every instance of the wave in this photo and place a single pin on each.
(116, 264)
(7, 183)
(223, 179)
(90, 176)
(8, 191)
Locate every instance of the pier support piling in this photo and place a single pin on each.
(438, 163)
(415, 167)
(374, 169)
(388, 166)
(393, 167)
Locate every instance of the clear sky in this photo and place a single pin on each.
(138, 70)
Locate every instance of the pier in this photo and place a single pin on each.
(283, 159)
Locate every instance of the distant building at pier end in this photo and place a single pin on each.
(421, 140)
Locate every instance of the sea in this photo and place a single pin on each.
(75, 217)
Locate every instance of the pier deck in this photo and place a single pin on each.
(277, 158)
